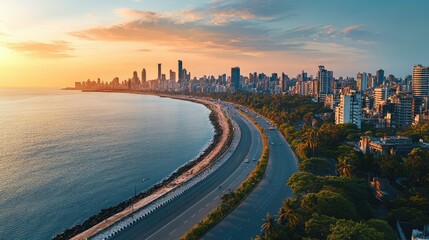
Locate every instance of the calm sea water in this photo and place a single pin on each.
(64, 155)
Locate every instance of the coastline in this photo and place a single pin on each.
(219, 144)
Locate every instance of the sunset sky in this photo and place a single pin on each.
(55, 43)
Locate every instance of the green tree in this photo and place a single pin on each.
(317, 166)
(408, 214)
(302, 150)
(335, 205)
(303, 183)
(344, 166)
(417, 167)
(290, 213)
(349, 230)
(311, 138)
(356, 190)
(390, 167)
(308, 117)
(269, 227)
(382, 227)
(318, 226)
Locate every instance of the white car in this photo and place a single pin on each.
(246, 160)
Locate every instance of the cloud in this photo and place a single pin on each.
(239, 27)
(358, 33)
(144, 50)
(250, 9)
(56, 49)
(153, 28)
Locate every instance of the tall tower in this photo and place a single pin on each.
(420, 81)
(159, 71)
(144, 76)
(180, 71)
(172, 76)
(284, 82)
(380, 77)
(324, 84)
(349, 109)
(362, 82)
(235, 77)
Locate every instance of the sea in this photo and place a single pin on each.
(65, 155)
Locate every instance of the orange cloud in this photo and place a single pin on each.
(56, 49)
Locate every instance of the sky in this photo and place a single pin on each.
(53, 43)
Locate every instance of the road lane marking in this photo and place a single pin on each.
(172, 231)
(213, 191)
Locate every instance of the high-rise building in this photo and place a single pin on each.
(159, 71)
(362, 82)
(349, 109)
(135, 76)
(235, 78)
(172, 75)
(144, 76)
(284, 82)
(180, 71)
(304, 76)
(403, 112)
(274, 77)
(324, 76)
(381, 94)
(420, 81)
(370, 80)
(379, 75)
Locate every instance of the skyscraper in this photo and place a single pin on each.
(274, 77)
(380, 95)
(324, 76)
(172, 75)
(420, 81)
(380, 77)
(235, 78)
(135, 81)
(362, 81)
(144, 76)
(349, 110)
(403, 112)
(180, 71)
(159, 71)
(284, 82)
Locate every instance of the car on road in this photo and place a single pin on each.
(246, 160)
(254, 159)
(272, 143)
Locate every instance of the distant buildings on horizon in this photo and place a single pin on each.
(369, 99)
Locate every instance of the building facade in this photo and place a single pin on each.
(349, 109)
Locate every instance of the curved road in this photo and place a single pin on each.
(246, 220)
(176, 218)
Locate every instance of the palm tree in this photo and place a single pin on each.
(344, 167)
(268, 226)
(289, 213)
(311, 138)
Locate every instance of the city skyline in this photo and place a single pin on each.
(61, 43)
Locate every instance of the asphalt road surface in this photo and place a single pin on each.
(180, 215)
(246, 220)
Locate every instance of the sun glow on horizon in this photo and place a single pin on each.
(52, 47)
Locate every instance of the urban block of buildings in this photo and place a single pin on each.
(371, 99)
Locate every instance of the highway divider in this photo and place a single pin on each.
(231, 200)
